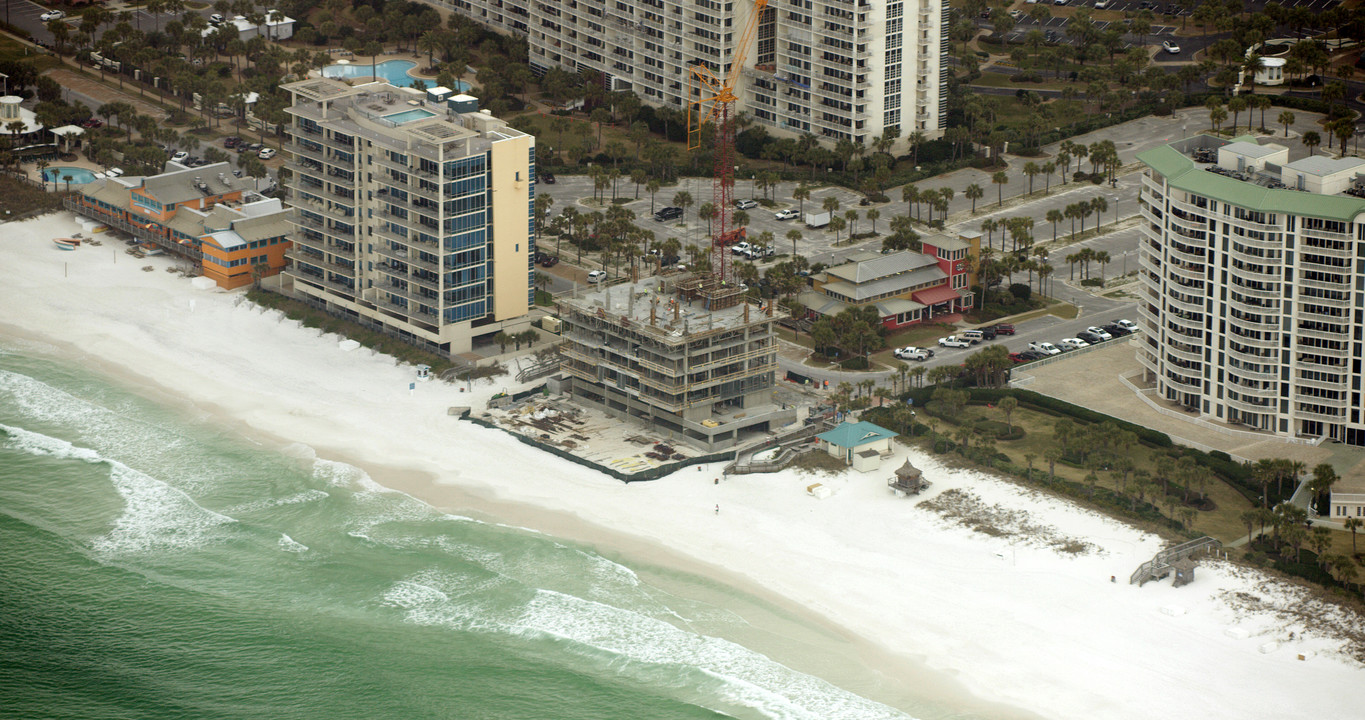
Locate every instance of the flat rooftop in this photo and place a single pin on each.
(673, 315)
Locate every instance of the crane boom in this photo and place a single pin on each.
(715, 103)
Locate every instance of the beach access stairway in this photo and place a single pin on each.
(1164, 562)
(541, 368)
(788, 443)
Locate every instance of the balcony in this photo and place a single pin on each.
(1235, 372)
(1343, 286)
(1339, 385)
(1249, 406)
(1342, 352)
(1252, 355)
(1271, 391)
(1305, 264)
(1237, 304)
(1188, 307)
(1180, 353)
(1194, 385)
(1344, 251)
(1193, 273)
(1257, 325)
(1344, 336)
(1272, 293)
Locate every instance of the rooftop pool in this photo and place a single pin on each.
(408, 116)
(395, 72)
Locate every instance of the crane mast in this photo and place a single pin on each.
(715, 103)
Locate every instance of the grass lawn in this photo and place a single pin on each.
(1001, 80)
(13, 50)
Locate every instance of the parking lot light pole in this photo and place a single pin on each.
(1116, 209)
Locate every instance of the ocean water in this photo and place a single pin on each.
(156, 566)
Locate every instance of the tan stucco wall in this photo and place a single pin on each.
(511, 215)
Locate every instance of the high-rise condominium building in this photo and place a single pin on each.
(841, 70)
(1253, 283)
(413, 213)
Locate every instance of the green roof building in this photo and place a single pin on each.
(1252, 268)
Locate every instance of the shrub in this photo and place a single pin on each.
(1021, 291)
(854, 363)
(1092, 282)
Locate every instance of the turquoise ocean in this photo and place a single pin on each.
(157, 566)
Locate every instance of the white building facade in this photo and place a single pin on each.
(1252, 274)
(414, 216)
(841, 70)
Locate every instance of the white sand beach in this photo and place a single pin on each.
(1012, 620)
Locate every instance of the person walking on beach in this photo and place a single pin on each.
(717, 509)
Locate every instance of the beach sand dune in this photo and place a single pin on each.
(1013, 617)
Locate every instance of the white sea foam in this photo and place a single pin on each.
(289, 544)
(631, 643)
(108, 431)
(155, 516)
(263, 504)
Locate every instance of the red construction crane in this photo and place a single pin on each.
(715, 103)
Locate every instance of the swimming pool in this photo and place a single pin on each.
(408, 116)
(394, 71)
(79, 176)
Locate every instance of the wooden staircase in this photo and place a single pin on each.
(1162, 563)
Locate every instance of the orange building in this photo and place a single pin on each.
(203, 213)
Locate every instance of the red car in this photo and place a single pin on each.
(92, 123)
(1003, 329)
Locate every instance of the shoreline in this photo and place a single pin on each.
(770, 612)
(882, 580)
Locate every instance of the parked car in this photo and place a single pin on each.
(597, 276)
(231, 141)
(548, 178)
(1044, 347)
(1089, 337)
(746, 204)
(1019, 357)
(92, 124)
(51, 15)
(1016, 14)
(668, 213)
(266, 153)
(1104, 334)
(1115, 330)
(1128, 325)
(549, 261)
(739, 248)
(1170, 46)
(180, 157)
(762, 251)
(973, 336)
(914, 353)
(786, 214)
(1073, 343)
(1101, 4)
(954, 341)
(216, 19)
(1002, 329)
(113, 172)
(988, 332)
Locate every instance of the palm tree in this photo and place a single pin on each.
(1310, 140)
(872, 215)
(1054, 216)
(1286, 119)
(801, 194)
(1236, 105)
(973, 193)
(1031, 169)
(1353, 525)
(999, 178)
(1049, 167)
(910, 194)
(837, 224)
(794, 236)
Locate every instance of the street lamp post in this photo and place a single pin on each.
(753, 180)
(1116, 209)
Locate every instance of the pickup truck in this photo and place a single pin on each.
(739, 248)
(954, 341)
(1045, 348)
(914, 353)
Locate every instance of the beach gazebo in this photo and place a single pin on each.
(908, 480)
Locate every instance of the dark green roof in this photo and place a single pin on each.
(1181, 172)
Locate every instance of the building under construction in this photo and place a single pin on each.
(690, 355)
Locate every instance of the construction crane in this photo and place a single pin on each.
(715, 103)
